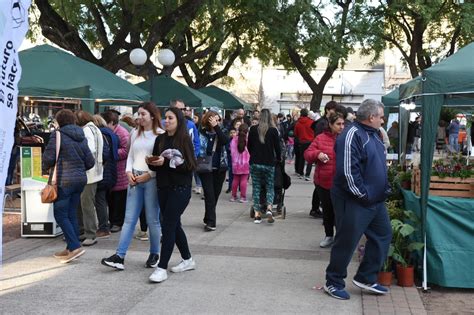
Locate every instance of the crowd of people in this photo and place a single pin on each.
(110, 178)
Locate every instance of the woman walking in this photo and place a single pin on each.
(265, 151)
(141, 188)
(213, 141)
(74, 159)
(322, 152)
(173, 160)
(240, 163)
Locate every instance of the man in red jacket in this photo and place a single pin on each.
(305, 134)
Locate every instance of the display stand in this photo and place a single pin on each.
(37, 218)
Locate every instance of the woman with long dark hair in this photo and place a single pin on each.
(322, 152)
(141, 188)
(173, 160)
(240, 163)
(213, 141)
(265, 151)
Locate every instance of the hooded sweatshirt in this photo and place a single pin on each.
(75, 157)
(303, 130)
(96, 145)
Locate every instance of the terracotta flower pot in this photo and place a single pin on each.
(405, 276)
(385, 278)
(406, 184)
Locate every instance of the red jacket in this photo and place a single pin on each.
(324, 172)
(303, 130)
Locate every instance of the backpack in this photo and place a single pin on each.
(109, 178)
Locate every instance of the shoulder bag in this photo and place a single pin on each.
(204, 163)
(49, 194)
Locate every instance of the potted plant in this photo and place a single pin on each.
(384, 276)
(403, 247)
(405, 179)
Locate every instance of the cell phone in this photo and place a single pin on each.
(152, 158)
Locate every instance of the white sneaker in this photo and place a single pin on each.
(326, 242)
(184, 265)
(198, 190)
(159, 275)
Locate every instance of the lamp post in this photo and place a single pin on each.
(138, 58)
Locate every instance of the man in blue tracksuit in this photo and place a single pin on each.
(358, 194)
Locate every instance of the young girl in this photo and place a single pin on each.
(240, 163)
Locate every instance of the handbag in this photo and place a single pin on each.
(49, 193)
(204, 163)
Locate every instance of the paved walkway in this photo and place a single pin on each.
(241, 268)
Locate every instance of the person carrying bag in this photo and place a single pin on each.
(50, 192)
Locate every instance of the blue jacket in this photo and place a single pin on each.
(110, 158)
(193, 132)
(361, 169)
(75, 157)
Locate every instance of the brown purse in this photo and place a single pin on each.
(49, 193)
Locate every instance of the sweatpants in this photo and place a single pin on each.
(352, 221)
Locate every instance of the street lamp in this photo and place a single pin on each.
(138, 58)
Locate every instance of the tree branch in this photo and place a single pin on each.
(62, 33)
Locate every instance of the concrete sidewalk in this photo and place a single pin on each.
(241, 268)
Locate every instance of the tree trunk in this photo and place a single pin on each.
(316, 100)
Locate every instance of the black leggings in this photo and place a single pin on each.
(173, 201)
(328, 211)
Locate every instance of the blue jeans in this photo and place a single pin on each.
(453, 141)
(65, 213)
(353, 220)
(143, 194)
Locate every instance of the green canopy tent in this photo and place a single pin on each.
(230, 101)
(450, 82)
(49, 72)
(166, 89)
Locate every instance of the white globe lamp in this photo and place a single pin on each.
(166, 57)
(138, 57)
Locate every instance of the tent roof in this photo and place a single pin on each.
(166, 89)
(452, 76)
(230, 100)
(51, 72)
(391, 99)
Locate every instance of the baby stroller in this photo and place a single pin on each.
(282, 183)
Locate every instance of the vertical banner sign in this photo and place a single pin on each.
(13, 27)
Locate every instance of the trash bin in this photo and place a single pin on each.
(37, 218)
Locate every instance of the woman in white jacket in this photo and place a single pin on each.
(87, 216)
(141, 188)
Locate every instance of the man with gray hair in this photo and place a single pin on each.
(358, 195)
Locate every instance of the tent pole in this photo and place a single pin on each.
(425, 273)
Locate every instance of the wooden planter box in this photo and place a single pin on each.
(446, 187)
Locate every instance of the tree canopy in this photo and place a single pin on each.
(208, 36)
(423, 31)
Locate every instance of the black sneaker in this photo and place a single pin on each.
(316, 214)
(152, 261)
(114, 261)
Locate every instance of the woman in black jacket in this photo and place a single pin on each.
(265, 151)
(174, 162)
(212, 139)
(74, 160)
